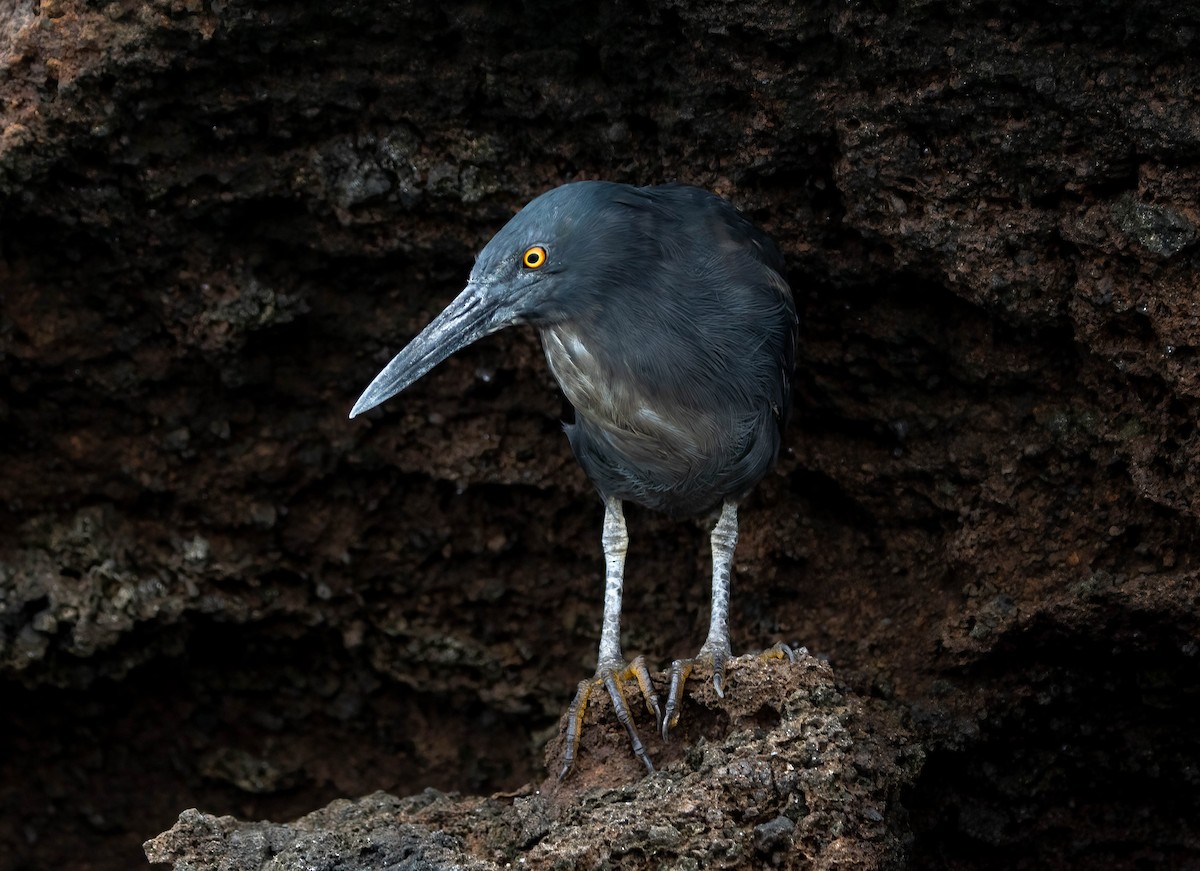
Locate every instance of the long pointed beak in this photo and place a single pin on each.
(475, 313)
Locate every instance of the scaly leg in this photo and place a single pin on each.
(611, 668)
(716, 650)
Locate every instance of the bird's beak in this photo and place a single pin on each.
(476, 312)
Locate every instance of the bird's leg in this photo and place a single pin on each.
(716, 650)
(611, 668)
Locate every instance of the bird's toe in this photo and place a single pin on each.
(641, 673)
(613, 678)
(779, 650)
(716, 658)
(713, 656)
(681, 669)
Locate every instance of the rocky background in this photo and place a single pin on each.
(219, 219)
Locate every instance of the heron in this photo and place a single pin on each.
(668, 324)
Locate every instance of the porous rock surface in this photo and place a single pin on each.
(793, 774)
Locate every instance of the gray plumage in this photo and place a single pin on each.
(666, 320)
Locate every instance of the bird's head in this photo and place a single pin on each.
(540, 265)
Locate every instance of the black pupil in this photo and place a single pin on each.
(533, 257)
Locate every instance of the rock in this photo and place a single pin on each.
(787, 772)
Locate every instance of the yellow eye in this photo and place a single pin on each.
(535, 257)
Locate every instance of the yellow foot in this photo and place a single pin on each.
(612, 677)
(681, 669)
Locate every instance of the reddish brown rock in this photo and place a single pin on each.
(788, 772)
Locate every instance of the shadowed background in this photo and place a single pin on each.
(218, 220)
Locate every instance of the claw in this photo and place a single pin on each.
(612, 678)
(641, 673)
(681, 670)
(779, 650)
(718, 666)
